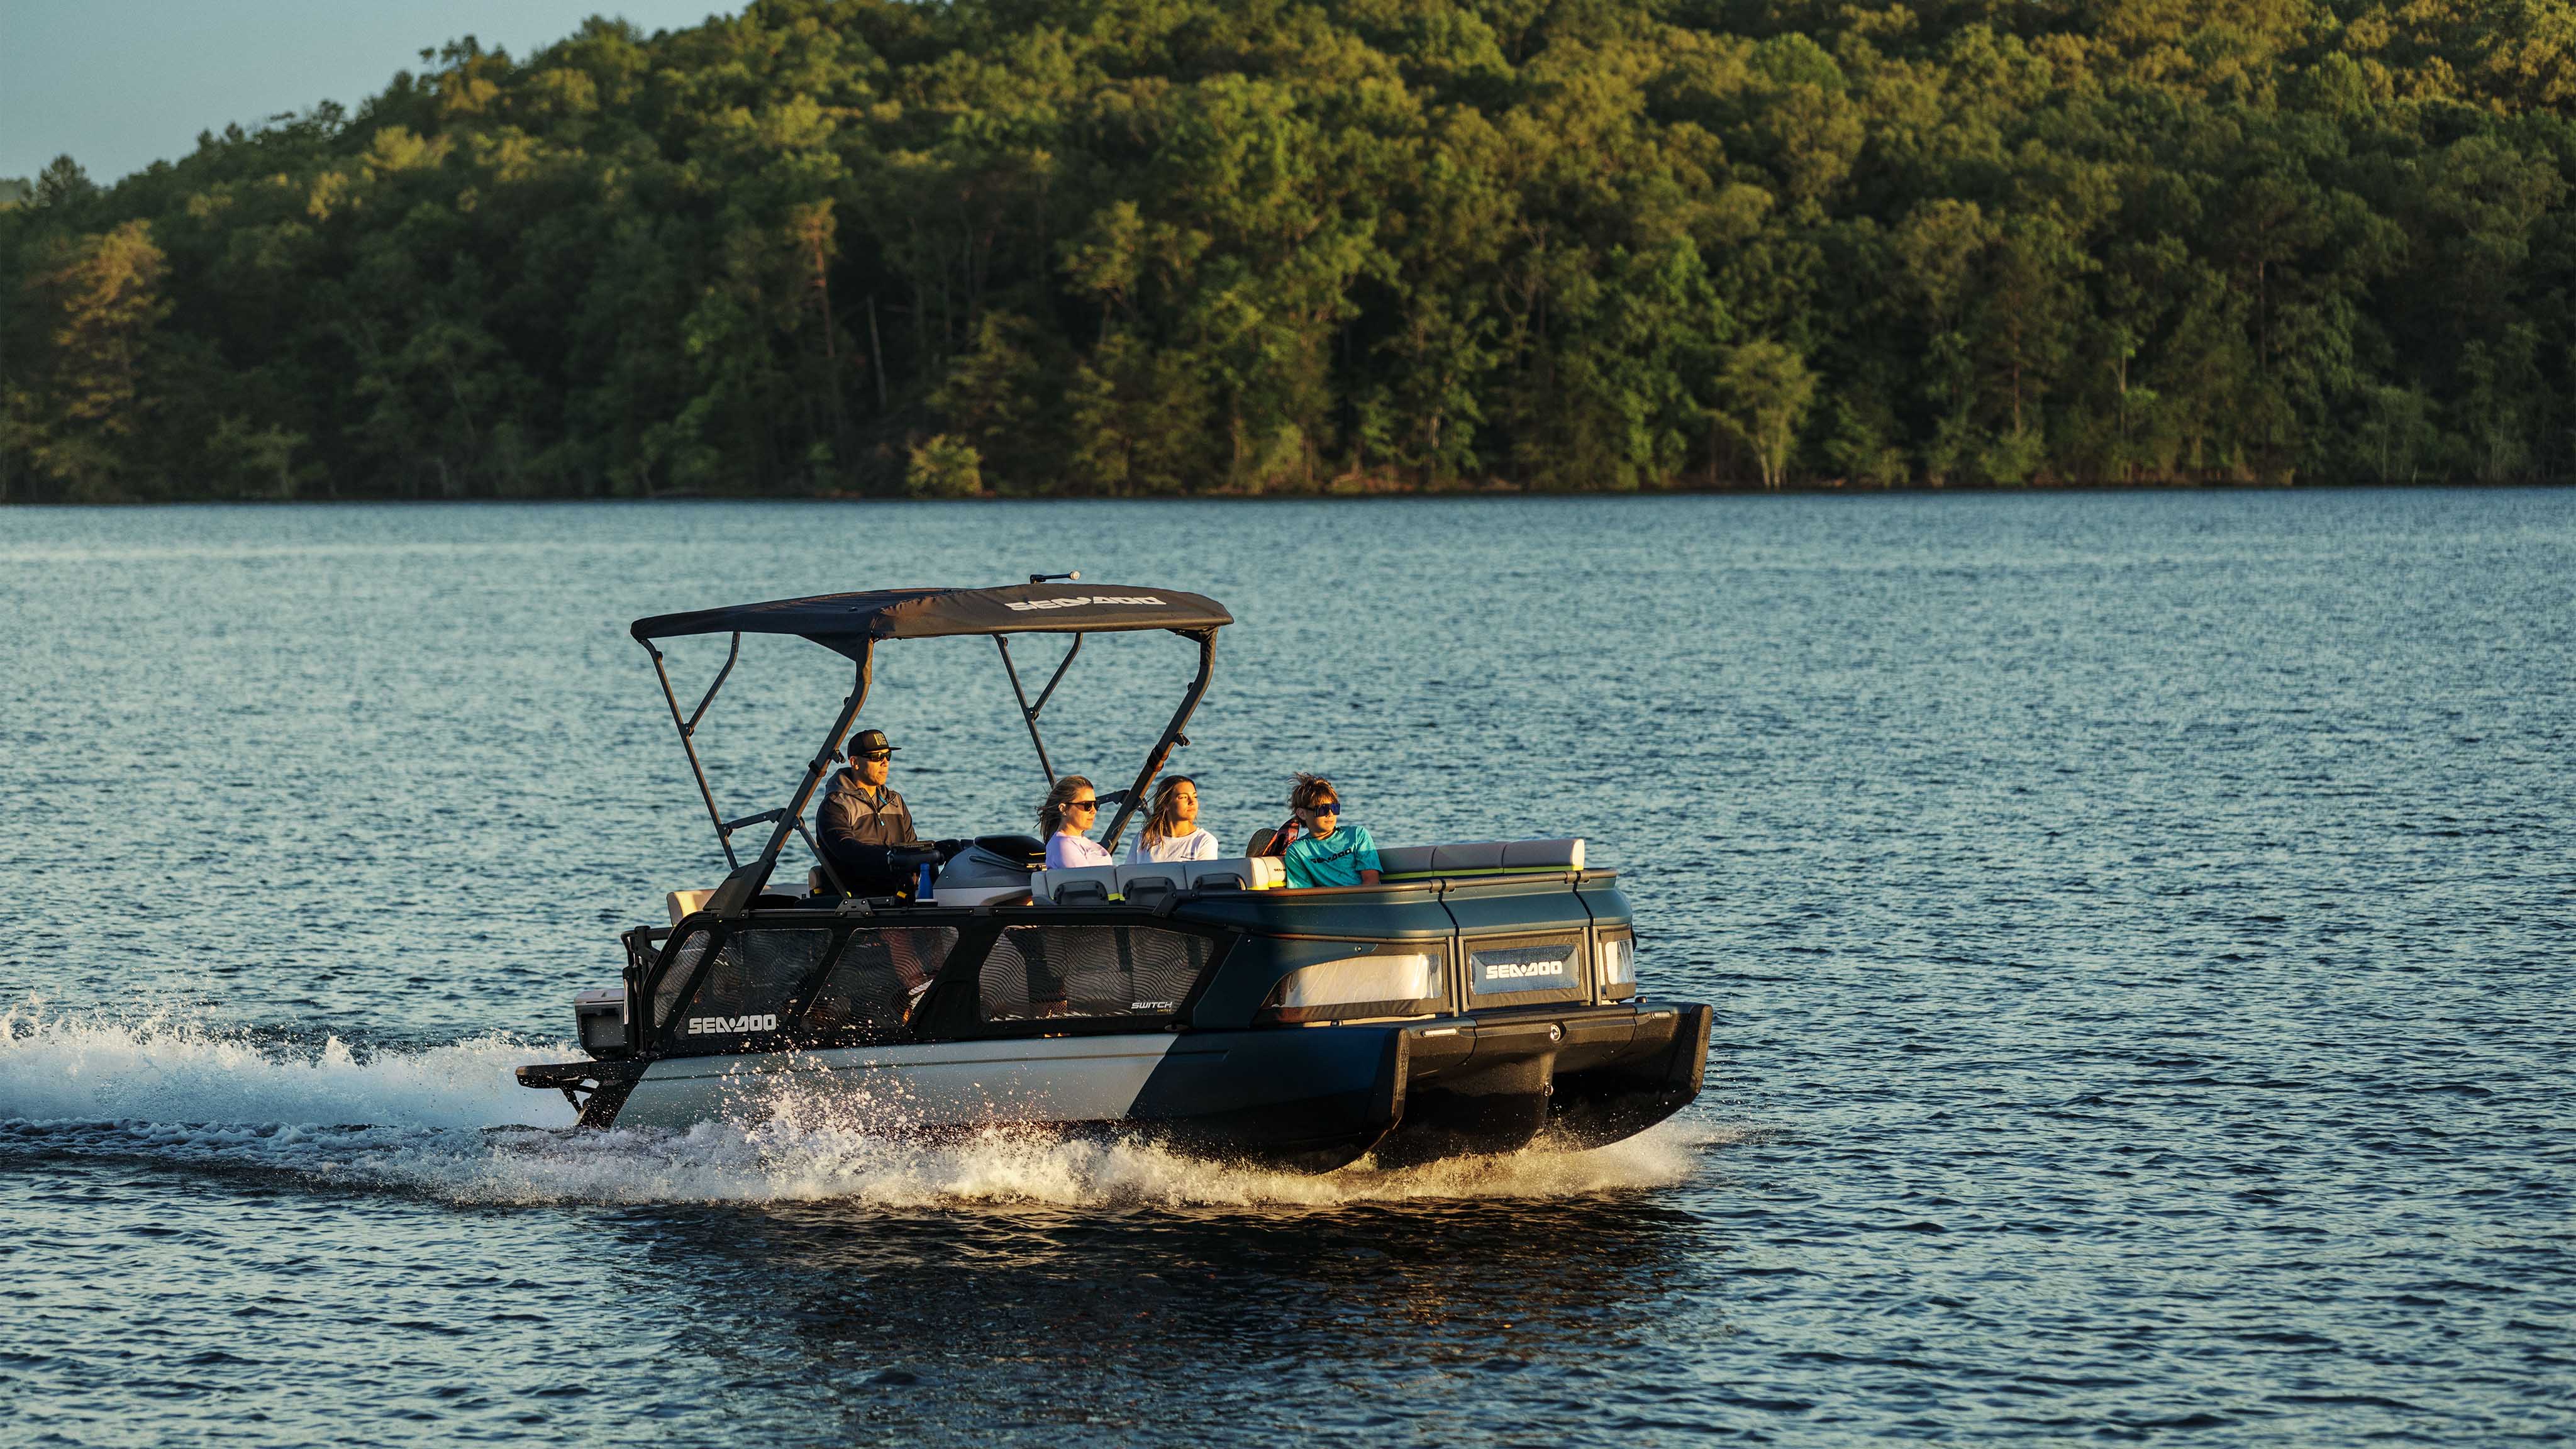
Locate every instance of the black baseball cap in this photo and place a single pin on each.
(868, 742)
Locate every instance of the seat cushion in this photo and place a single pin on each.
(1483, 857)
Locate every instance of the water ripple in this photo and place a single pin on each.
(2141, 927)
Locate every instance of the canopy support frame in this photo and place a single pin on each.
(688, 729)
(744, 882)
(1172, 736)
(743, 887)
(1029, 712)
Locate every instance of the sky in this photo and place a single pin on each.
(120, 84)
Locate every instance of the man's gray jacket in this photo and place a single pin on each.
(855, 831)
(849, 817)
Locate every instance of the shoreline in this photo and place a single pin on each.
(1348, 495)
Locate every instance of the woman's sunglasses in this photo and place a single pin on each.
(1082, 805)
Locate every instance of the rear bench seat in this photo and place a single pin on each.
(1482, 857)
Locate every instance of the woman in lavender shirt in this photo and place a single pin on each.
(1070, 809)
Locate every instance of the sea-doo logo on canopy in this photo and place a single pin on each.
(729, 1025)
(1025, 605)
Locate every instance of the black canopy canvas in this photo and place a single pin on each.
(848, 622)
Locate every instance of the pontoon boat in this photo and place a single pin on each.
(1480, 997)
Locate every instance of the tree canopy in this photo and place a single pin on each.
(1170, 246)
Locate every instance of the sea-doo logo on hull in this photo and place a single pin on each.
(1522, 968)
(729, 1025)
(1025, 605)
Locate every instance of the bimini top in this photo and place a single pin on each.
(847, 623)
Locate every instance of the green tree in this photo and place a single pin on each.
(1189, 246)
(1762, 396)
(944, 467)
(93, 303)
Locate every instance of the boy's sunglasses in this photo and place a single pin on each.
(1329, 807)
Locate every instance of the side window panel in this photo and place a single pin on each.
(877, 978)
(752, 982)
(1034, 972)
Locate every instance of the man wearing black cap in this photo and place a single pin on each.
(865, 828)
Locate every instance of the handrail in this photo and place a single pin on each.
(830, 872)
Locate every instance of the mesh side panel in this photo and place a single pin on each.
(666, 992)
(1164, 966)
(1015, 988)
(755, 974)
(1093, 966)
(878, 977)
(1092, 971)
(1020, 978)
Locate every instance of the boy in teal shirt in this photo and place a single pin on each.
(1329, 853)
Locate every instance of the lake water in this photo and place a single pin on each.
(2142, 930)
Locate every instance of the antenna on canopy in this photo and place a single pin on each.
(1074, 577)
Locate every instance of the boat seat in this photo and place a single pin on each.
(1482, 857)
(1024, 850)
(1097, 883)
(1243, 872)
(684, 904)
(1074, 884)
(1240, 873)
(1158, 878)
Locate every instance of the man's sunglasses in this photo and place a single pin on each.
(873, 756)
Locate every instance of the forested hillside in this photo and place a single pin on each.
(1158, 246)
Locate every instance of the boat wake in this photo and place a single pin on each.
(451, 1123)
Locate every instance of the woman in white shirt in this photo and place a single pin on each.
(1172, 827)
(1070, 809)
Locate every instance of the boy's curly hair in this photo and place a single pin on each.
(1311, 791)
